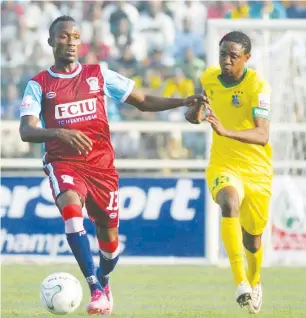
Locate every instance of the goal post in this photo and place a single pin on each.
(216, 28)
(278, 53)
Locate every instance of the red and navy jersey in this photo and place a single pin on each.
(76, 101)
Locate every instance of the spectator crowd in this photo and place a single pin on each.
(160, 44)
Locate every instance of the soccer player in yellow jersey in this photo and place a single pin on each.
(239, 174)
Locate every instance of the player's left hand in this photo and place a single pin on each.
(215, 123)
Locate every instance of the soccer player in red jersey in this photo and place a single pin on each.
(68, 99)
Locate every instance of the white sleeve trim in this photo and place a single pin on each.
(128, 92)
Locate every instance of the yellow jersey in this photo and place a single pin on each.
(236, 106)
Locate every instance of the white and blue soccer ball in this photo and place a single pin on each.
(61, 293)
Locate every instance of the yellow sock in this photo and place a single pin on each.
(254, 264)
(232, 240)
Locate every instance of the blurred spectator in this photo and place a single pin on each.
(127, 64)
(11, 103)
(191, 65)
(177, 86)
(114, 12)
(157, 27)
(239, 11)
(267, 8)
(127, 145)
(218, 9)
(296, 10)
(73, 9)
(194, 11)
(123, 35)
(156, 60)
(153, 80)
(91, 58)
(95, 23)
(17, 76)
(173, 148)
(188, 39)
(11, 19)
(97, 46)
(40, 14)
(38, 56)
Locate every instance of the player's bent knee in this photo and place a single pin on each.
(228, 200)
(251, 242)
(109, 250)
(229, 207)
(67, 197)
(73, 217)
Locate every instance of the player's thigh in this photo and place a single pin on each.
(218, 179)
(102, 203)
(254, 210)
(67, 185)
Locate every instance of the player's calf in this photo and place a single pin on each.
(109, 256)
(79, 244)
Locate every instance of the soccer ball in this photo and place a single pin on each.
(61, 293)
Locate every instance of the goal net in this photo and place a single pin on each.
(278, 53)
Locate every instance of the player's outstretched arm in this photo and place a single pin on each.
(259, 135)
(147, 103)
(29, 132)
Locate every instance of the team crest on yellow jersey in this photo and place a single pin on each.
(236, 99)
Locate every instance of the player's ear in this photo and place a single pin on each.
(247, 56)
(50, 42)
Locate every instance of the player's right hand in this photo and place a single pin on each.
(197, 113)
(76, 139)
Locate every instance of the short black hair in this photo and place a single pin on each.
(62, 18)
(238, 37)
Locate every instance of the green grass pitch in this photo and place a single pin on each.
(161, 291)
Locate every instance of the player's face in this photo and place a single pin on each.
(66, 41)
(232, 58)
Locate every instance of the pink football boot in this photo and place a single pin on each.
(99, 303)
(110, 298)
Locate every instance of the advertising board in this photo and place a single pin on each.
(158, 217)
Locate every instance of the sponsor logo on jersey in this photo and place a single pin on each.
(50, 95)
(67, 179)
(113, 215)
(75, 109)
(93, 83)
(26, 102)
(264, 100)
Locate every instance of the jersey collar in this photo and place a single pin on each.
(235, 83)
(76, 72)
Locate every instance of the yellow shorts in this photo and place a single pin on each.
(254, 195)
